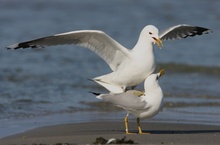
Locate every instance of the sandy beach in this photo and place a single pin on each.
(86, 133)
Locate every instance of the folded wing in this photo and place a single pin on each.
(127, 100)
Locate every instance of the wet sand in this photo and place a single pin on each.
(86, 133)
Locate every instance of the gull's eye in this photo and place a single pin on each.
(150, 33)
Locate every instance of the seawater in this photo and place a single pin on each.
(50, 85)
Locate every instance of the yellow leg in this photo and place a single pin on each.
(139, 127)
(126, 125)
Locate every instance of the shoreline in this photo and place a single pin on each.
(11, 127)
(86, 133)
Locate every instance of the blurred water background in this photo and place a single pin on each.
(50, 86)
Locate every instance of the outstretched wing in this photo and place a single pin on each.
(107, 48)
(182, 31)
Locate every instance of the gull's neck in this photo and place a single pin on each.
(153, 87)
(143, 46)
(153, 94)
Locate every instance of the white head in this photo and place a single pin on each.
(152, 34)
(151, 81)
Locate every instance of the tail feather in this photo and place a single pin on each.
(109, 87)
(94, 93)
(98, 95)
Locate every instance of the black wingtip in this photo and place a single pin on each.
(202, 30)
(18, 46)
(13, 47)
(198, 31)
(94, 93)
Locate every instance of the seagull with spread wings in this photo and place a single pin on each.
(129, 67)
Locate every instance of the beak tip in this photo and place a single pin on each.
(159, 43)
(162, 72)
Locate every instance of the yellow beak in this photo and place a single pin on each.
(159, 42)
(161, 72)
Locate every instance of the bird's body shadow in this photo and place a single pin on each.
(178, 131)
(133, 132)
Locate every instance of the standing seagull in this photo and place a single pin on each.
(129, 67)
(144, 106)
